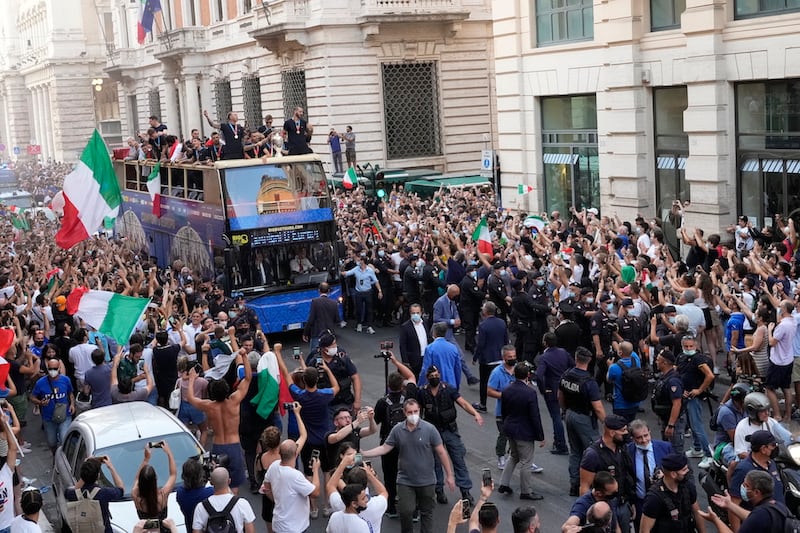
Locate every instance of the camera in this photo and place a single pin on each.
(152, 524)
(288, 405)
(210, 461)
(387, 345)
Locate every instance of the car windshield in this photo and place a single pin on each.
(127, 458)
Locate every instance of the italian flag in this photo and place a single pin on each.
(350, 179)
(481, 236)
(17, 218)
(535, 222)
(154, 188)
(524, 189)
(271, 388)
(109, 313)
(91, 194)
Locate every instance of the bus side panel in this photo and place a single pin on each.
(289, 310)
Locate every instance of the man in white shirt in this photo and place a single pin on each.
(781, 359)
(242, 513)
(290, 490)
(357, 516)
(697, 320)
(80, 355)
(341, 501)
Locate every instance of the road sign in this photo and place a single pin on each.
(16, 150)
(34, 149)
(487, 163)
(2, 147)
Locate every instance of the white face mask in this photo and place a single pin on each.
(53, 372)
(223, 323)
(413, 419)
(188, 290)
(332, 350)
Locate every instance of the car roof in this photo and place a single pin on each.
(125, 422)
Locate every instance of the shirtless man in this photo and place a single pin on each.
(223, 414)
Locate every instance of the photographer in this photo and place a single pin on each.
(342, 369)
(87, 484)
(149, 499)
(193, 490)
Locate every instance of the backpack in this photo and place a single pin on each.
(85, 514)
(220, 521)
(790, 523)
(713, 423)
(394, 411)
(634, 382)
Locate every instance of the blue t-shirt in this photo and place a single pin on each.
(189, 498)
(99, 380)
(336, 145)
(727, 419)
(615, 377)
(315, 412)
(499, 380)
(56, 391)
(748, 465)
(734, 323)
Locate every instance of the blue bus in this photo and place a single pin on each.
(262, 227)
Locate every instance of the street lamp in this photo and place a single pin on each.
(97, 84)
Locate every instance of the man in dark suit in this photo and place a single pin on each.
(412, 333)
(644, 447)
(492, 336)
(469, 305)
(523, 426)
(324, 315)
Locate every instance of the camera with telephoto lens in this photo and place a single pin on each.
(385, 354)
(211, 461)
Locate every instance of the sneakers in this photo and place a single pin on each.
(392, 512)
(536, 469)
(314, 514)
(694, 454)
(343, 324)
(479, 407)
(326, 512)
(706, 463)
(370, 330)
(358, 328)
(716, 371)
(501, 462)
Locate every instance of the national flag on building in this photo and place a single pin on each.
(154, 188)
(535, 223)
(147, 15)
(350, 178)
(482, 238)
(91, 193)
(109, 313)
(524, 189)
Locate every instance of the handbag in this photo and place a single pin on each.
(60, 410)
(175, 399)
(83, 402)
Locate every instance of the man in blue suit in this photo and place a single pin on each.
(643, 446)
(445, 311)
(492, 336)
(444, 356)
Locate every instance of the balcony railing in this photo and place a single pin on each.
(281, 12)
(182, 40)
(388, 7)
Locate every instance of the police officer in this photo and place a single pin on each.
(671, 503)
(580, 400)
(627, 324)
(568, 332)
(585, 308)
(469, 305)
(604, 332)
(499, 290)
(541, 302)
(667, 400)
(343, 370)
(438, 406)
(522, 316)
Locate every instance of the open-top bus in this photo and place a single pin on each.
(243, 223)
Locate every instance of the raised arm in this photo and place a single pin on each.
(214, 124)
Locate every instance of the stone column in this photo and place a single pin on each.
(48, 145)
(37, 117)
(192, 114)
(18, 112)
(171, 102)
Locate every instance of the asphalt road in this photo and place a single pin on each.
(553, 483)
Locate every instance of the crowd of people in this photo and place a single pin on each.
(597, 316)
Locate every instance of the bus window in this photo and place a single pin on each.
(286, 265)
(177, 177)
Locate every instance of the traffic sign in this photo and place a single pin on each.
(2, 147)
(487, 163)
(16, 150)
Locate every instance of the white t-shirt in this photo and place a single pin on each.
(290, 489)
(241, 513)
(745, 428)
(6, 496)
(147, 357)
(20, 525)
(694, 314)
(341, 522)
(81, 357)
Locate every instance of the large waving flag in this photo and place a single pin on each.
(350, 178)
(91, 193)
(147, 14)
(109, 313)
(481, 236)
(154, 188)
(272, 389)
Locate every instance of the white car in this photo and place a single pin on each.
(121, 432)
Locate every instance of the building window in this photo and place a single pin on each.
(672, 146)
(559, 21)
(247, 6)
(251, 92)
(190, 13)
(133, 114)
(760, 8)
(154, 99)
(222, 99)
(218, 10)
(666, 14)
(569, 145)
(768, 149)
(293, 83)
(411, 110)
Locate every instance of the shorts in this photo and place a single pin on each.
(189, 414)
(324, 461)
(796, 370)
(236, 464)
(779, 377)
(267, 508)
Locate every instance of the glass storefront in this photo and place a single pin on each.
(569, 144)
(768, 149)
(671, 144)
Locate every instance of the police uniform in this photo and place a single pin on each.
(601, 325)
(578, 389)
(672, 511)
(668, 387)
(497, 294)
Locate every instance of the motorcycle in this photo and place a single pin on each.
(788, 462)
(714, 480)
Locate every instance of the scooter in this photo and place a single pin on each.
(788, 462)
(714, 480)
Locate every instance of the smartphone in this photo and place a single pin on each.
(465, 509)
(159, 444)
(296, 352)
(486, 475)
(359, 459)
(152, 523)
(288, 405)
(314, 454)
(368, 464)
(319, 361)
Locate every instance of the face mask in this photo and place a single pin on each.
(332, 350)
(643, 447)
(53, 372)
(416, 318)
(589, 300)
(188, 290)
(504, 272)
(511, 362)
(774, 453)
(232, 314)
(671, 319)
(743, 493)
(223, 323)
(435, 382)
(38, 343)
(413, 419)
(540, 283)
(609, 307)
(381, 253)
(360, 509)
(635, 311)
(690, 352)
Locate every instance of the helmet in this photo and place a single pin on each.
(740, 390)
(755, 402)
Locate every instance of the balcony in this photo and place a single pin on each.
(121, 62)
(173, 44)
(447, 13)
(280, 25)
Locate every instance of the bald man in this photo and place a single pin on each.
(241, 512)
(290, 490)
(445, 311)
